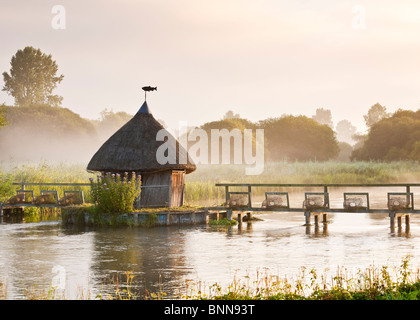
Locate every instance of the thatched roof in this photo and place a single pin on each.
(133, 148)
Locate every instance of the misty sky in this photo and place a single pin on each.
(260, 58)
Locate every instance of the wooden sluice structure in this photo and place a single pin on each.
(47, 198)
(316, 204)
(50, 198)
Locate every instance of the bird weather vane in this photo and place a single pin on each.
(148, 88)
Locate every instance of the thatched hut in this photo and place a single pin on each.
(133, 149)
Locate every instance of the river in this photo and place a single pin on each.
(83, 261)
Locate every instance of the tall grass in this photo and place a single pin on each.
(201, 183)
(44, 172)
(370, 283)
(201, 189)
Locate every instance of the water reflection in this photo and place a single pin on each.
(164, 258)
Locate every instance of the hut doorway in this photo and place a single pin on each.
(163, 189)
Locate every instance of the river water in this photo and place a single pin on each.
(83, 261)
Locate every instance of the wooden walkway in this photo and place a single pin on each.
(316, 204)
(29, 199)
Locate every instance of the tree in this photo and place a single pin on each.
(323, 116)
(345, 131)
(32, 78)
(345, 151)
(375, 113)
(299, 138)
(395, 137)
(231, 115)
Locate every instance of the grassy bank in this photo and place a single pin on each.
(371, 283)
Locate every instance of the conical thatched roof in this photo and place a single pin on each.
(133, 148)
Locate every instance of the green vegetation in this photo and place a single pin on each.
(299, 138)
(392, 138)
(287, 137)
(6, 186)
(43, 172)
(372, 283)
(223, 222)
(201, 187)
(43, 132)
(3, 121)
(115, 194)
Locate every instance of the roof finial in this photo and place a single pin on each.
(148, 88)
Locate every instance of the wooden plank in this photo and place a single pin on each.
(158, 196)
(316, 185)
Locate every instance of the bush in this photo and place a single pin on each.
(115, 194)
(6, 187)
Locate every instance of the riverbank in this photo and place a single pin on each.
(88, 215)
(373, 283)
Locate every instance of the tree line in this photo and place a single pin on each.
(38, 116)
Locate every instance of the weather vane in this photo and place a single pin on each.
(148, 88)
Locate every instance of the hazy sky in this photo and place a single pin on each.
(259, 58)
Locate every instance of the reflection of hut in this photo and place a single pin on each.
(133, 149)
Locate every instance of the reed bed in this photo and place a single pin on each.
(44, 172)
(201, 189)
(400, 282)
(371, 283)
(201, 183)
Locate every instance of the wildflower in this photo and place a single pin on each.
(91, 179)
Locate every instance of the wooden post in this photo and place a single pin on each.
(249, 215)
(407, 223)
(326, 199)
(399, 221)
(206, 210)
(229, 214)
(240, 217)
(316, 218)
(325, 217)
(407, 220)
(392, 220)
(307, 218)
(249, 197)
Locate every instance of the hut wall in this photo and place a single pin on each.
(177, 189)
(170, 196)
(155, 197)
